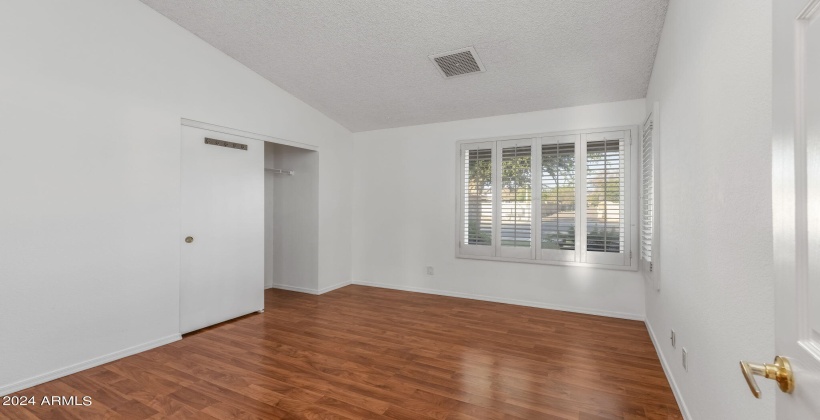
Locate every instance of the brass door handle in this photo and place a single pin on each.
(189, 239)
(780, 371)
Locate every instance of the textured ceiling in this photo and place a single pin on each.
(364, 62)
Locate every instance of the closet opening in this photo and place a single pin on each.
(291, 218)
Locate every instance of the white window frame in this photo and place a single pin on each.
(626, 261)
(650, 270)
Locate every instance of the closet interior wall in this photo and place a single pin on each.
(291, 218)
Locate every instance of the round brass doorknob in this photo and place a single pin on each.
(189, 239)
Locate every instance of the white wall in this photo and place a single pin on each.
(91, 97)
(295, 220)
(404, 217)
(712, 78)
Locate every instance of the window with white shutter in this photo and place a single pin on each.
(647, 181)
(477, 198)
(515, 190)
(649, 255)
(605, 198)
(558, 198)
(550, 198)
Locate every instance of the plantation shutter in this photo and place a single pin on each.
(563, 198)
(605, 229)
(476, 201)
(647, 193)
(559, 216)
(515, 221)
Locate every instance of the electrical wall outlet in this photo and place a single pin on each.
(684, 354)
(429, 271)
(672, 338)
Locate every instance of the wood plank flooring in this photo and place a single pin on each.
(362, 353)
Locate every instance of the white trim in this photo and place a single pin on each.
(810, 10)
(587, 311)
(295, 289)
(90, 363)
(548, 262)
(550, 133)
(234, 132)
(310, 291)
(675, 390)
(334, 287)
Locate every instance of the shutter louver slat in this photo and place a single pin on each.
(478, 197)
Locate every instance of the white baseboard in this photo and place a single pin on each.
(295, 289)
(90, 363)
(675, 390)
(588, 311)
(310, 291)
(333, 287)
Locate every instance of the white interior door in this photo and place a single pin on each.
(223, 225)
(796, 197)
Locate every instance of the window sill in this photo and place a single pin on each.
(632, 267)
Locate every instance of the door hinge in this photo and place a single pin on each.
(650, 267)
(630, 256)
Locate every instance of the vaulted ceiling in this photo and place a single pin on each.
(365, 63)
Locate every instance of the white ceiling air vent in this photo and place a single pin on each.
(458, 62)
